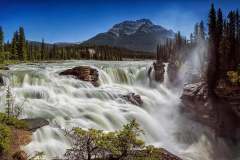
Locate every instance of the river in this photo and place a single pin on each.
(66, 102)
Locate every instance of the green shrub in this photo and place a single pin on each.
(233, 76)
(96, 144)
(5, 137)
(12, 121)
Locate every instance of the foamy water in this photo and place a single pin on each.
(69, 103)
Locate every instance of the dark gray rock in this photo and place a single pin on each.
(1, 80)
(35, 123)
(133, 98)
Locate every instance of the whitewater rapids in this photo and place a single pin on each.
(67, 102)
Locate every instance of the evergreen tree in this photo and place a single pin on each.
(7, 47)
(42, 50)
(2, 56)
(237, 26)
(196, 33)
(224, 51)
(201, 30)
(219, 25)
(1, 40)
(27, 57)
(21, 45)
(211, 73)
(218, 39)
(14, 50)
(232, 33)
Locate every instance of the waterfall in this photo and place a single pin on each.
(73, 103)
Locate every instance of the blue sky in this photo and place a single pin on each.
(77, 20)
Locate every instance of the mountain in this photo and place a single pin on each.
(139, 35)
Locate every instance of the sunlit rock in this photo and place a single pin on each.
(84, 73)
(35, 123)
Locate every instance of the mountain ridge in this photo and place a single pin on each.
(138, 35)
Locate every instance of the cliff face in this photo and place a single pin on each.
(221, 113)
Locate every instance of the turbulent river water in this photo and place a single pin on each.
(67, 102)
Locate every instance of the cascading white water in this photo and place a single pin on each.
(72, 103)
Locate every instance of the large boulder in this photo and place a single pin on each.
(133, 98)
(215, 112)
(35, 123)
(84, 73)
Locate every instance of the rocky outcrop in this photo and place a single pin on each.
(20, 155)
(1, 80)
(165, 155)
(215, 112)
(133, 98)
(156, 153)
(172, 71)
(159, 71)
(84, 73)
(35, 123)
(229, 93)
(195, 100)
(4, 68)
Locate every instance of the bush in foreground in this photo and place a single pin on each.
(5, 137)
(98, 145)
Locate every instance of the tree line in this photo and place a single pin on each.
(20, 49)
(222, 42)
(224, 45)
(177, 49)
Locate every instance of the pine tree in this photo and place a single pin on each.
(14, 50)
(7, 47)
(1, 40)
(21, 45)
(27, 53)
(237, 26)
(218, 39)
(232, 33)
(42, 50)
(237, 35)
(9, 102)
(196, 32)
(2, 56)
(211, 73)
(201, 31)
(224, 50)
(219, 25)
